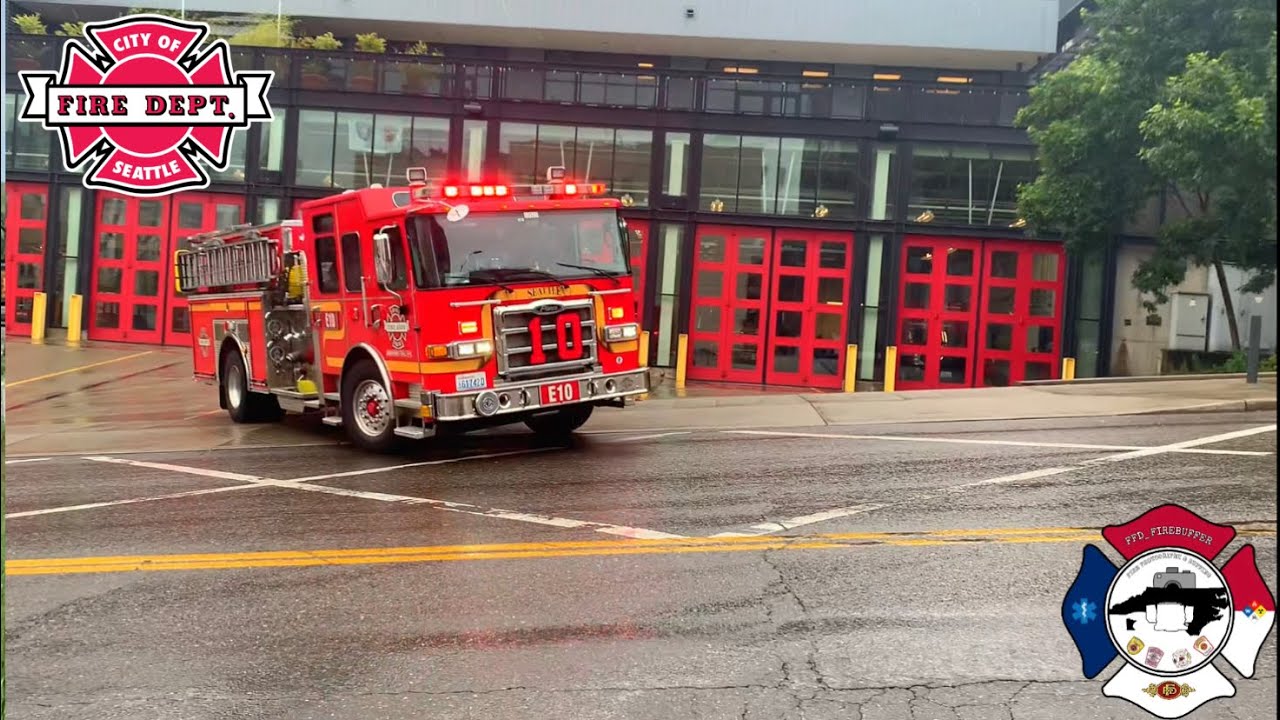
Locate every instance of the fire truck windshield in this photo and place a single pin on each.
(488, 248)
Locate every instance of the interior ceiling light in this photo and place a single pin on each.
(644, 65)
(954, 79)
(887, 76)
(815, 73)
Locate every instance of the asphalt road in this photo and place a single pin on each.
(809, 573)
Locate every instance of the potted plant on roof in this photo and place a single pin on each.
(417, 75)
(364, 72)
(70, 29)
(315, 71)
(26, 53)
(266, 31)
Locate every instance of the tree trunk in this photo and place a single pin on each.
(1227, 305)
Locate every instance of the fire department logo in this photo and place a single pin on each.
(144, 105)
(397, 328)
(1169, 611)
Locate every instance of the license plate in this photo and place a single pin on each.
(561, 392)
(472, 381)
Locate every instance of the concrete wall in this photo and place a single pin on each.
(975, 31)
(1136, 344)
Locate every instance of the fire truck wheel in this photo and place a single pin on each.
(561, 422)
(243, 405)
(368, 411)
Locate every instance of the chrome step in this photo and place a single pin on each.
(333, 421)
(412, 432)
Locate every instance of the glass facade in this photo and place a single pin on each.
(26, 144)
(355, 150)
(967, 185)
(804, 177)
(620, 158)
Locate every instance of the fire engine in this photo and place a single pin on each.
(405, 312)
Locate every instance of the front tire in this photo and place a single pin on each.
(562, 422)
(368, 410)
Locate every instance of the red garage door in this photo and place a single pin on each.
(25, 223)
(975, 313)
(770, 307)
(133, 293)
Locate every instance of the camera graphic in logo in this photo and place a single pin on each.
(1173, 577)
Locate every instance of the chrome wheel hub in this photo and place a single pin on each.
(372, 408)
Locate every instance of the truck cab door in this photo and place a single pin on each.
(391, 304)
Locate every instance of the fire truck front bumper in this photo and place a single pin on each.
(546, 394)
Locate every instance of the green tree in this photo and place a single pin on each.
(1173, 97)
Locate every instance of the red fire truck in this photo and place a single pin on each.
(407, 311)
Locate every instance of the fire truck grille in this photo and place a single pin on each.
(564, 350)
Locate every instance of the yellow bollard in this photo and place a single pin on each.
(75, 315)
(39, 303)
(851, 368)
(644, 359)
(682, 359)
(1068, 368)
(890, 367)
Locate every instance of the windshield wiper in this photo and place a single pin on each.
(492, 275)
(599, 271)
(538, 273)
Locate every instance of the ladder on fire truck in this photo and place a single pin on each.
(238, 257)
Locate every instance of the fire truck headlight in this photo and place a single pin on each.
(618, 333)
(470, 349)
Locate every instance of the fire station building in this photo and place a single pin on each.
(799, 177)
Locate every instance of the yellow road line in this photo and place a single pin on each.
(223, 561)
(78, 369)
(543, 550)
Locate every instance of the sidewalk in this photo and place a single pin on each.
(130, 398)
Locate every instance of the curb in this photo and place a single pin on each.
(1261, 404)
(1145, 379)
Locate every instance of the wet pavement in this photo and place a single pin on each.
(827, 571)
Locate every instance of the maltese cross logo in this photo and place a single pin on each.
(1169, 612)
(144, 105)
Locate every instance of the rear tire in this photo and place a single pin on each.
(368, 410)
(244, 405)
(562, 422)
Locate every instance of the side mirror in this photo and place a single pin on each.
(382, 257)
(457, 212)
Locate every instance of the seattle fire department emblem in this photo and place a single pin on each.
(146, 104)
(1169, 612)
(397, 328)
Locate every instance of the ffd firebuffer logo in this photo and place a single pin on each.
(144, 105)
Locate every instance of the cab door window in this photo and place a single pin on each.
(352, 267)
(326, 253)
(399, 265)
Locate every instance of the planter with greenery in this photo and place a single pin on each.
(315, 72)
(266, 31)
(70, 29)
(27, 53)
(364, 73)
(418, 76)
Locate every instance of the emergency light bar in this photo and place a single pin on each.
(546, 189)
